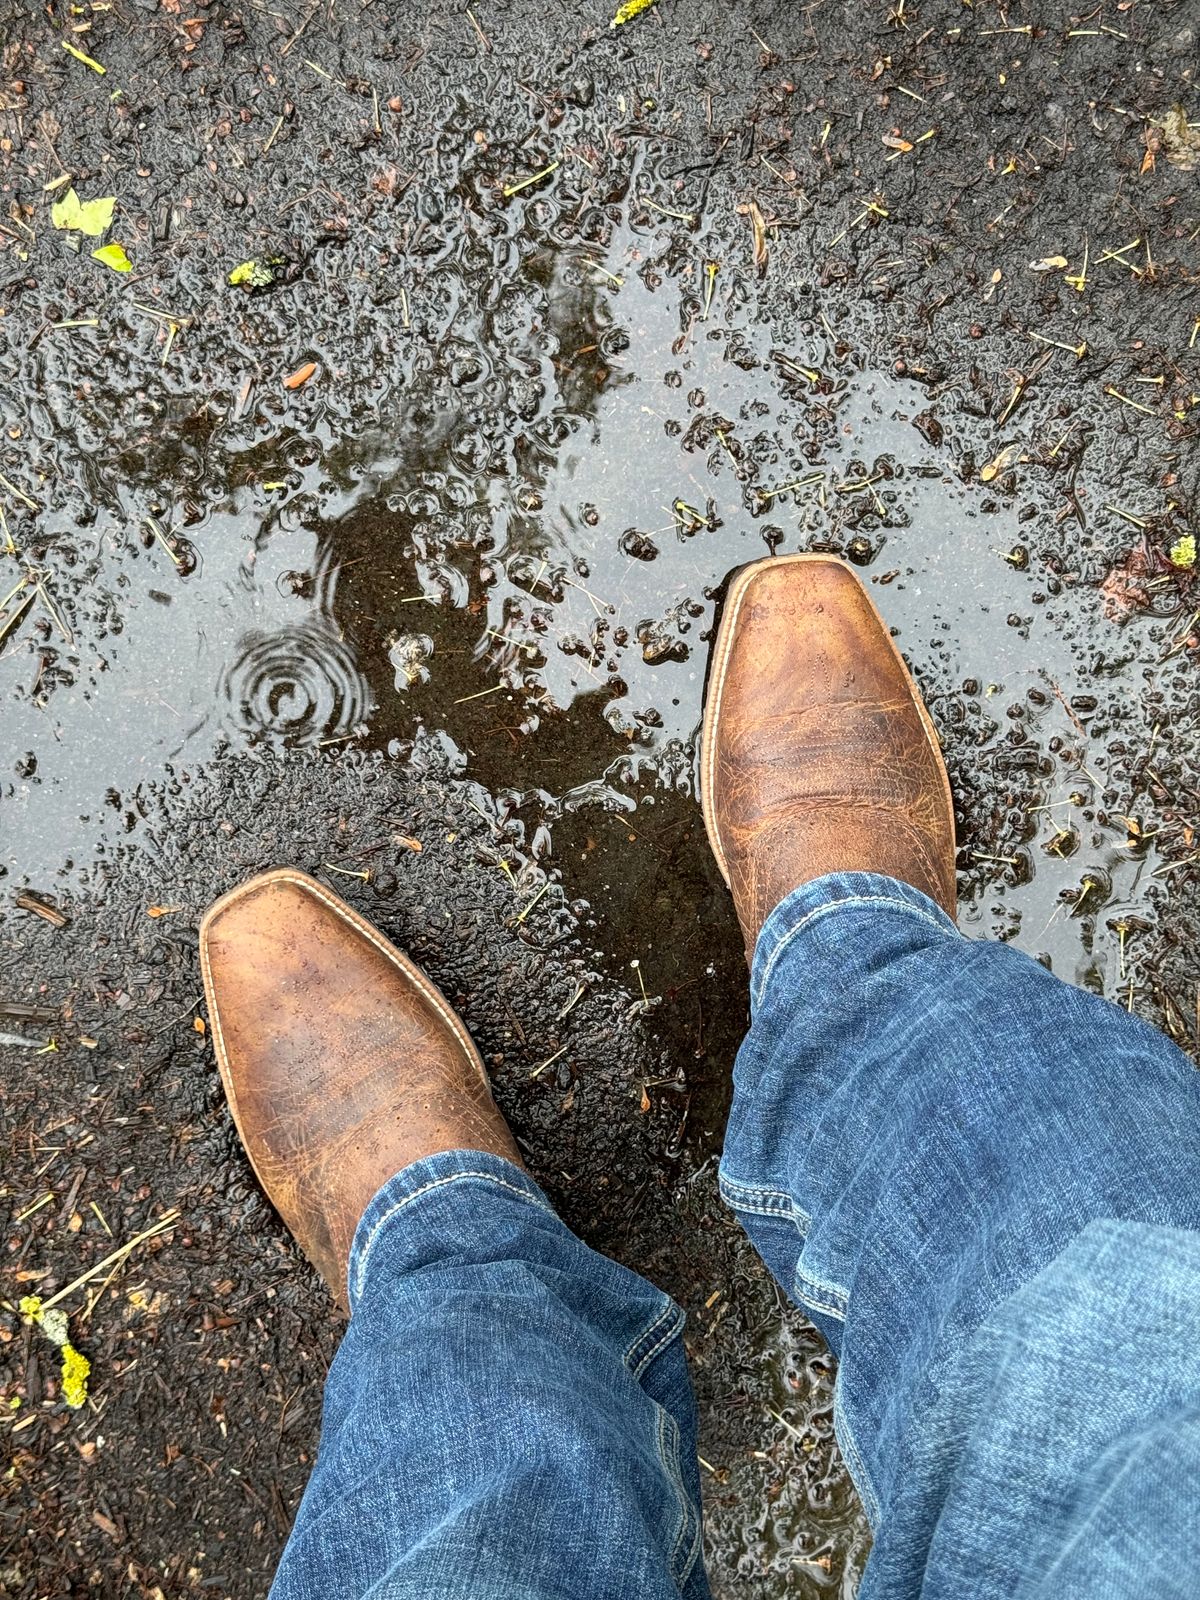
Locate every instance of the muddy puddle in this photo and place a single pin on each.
(547, 608)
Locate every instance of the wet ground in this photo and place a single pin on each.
(592, 317)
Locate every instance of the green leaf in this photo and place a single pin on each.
(86, 216)
(113, 255)
(1183, 552)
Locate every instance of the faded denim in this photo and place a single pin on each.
(983, 1186)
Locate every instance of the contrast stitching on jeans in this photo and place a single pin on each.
(766, 1202)
(668, 1455)
(759, 1190)
(697, 1526)
(667, 1445)
(670, 1310)
(439, 1183)
(837, 905)
(660, 1344)
(853, 1458)
(648, 1333)
(830, 1297)
(669, 1462)
(765, 1209)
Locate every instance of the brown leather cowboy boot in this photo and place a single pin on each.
(817, 753)
(342, 1063)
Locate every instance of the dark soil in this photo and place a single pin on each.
(456, 587)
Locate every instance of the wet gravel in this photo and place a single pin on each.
(823, 278)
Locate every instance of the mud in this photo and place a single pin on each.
(457, 586)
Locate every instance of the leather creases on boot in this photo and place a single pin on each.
(341, 1061)
(818, 754)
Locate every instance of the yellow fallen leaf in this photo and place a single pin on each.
(113, 255)
(1183, 552)
(87, 60)
(161, 911)
(1048, 264)
(85, 216)
(255, 274)
(631, 9)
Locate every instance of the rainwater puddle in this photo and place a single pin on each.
(544, 593)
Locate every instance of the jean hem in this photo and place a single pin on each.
(427, 1176)
(762, 1201)
(448, 1168)
(745, 1199)
(835, 891)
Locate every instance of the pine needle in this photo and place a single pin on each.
(164, 1224)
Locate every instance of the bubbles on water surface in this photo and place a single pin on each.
(408, 655)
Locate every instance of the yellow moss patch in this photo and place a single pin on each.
(75, 1370)
(75, 1365)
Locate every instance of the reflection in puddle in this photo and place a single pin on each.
(550, 606)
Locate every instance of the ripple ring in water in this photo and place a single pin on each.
(299, 686)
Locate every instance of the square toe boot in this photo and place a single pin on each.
(341, 1061)
(817, 753)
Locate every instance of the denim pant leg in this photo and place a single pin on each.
(509, 1416)
(983, 1184)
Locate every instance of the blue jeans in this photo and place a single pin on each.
(983, 1186)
